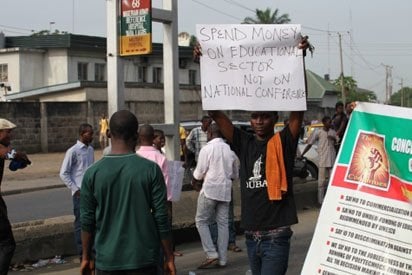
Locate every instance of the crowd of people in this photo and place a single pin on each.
(120, 203)
(328, 140)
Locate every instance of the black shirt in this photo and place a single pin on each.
(258, 212)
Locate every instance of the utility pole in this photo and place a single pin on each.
(341, 70)
(401, 91)
(388, 78)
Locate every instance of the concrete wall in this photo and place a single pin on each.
(31, 76)
(53, 126)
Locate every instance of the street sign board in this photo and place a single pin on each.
(135, 27)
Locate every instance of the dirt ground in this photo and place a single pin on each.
(43, 166)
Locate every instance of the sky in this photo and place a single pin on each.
(374, 33)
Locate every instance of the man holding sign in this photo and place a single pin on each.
(266, 160)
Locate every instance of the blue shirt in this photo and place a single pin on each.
(76, 161)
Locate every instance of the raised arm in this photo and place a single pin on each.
(296, 117)
(225, 124)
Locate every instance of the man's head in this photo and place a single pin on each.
(123, 126)
(348, 108)
(6, 127)
(263, 123)
(339, 107)
(213, 132)
(206, 121)
(86, 133)
(159, 140)
(146, 135)
(327, 122)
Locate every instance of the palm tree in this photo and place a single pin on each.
(267, 17)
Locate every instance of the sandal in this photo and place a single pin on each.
(234, 248)
(177, 254)
(208, 263)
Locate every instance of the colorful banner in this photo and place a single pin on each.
(136, 27)
(251, 67)
(365, 224)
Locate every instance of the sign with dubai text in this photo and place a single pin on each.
(136, 27)
(251, 67)
(365, 224)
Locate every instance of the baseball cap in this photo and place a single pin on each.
(5, 124)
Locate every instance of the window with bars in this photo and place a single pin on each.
(141, 74)
(82, 70)
(157, 75)
(4, 76)
(99, 72)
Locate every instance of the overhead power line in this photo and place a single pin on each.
(216, 10)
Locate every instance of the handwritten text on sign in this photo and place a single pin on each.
(251, 67)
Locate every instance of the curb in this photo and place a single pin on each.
(42, 239)
(31, 189)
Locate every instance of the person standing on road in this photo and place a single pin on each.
(182, 136)
(148, 151)
(123, 204)
(196, 139)
(339, 122)
(77, 159)
(104, 125)
(266, 167)
(326, 138)
(7, 243)
(217, 167)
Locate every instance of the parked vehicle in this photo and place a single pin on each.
(311, 157)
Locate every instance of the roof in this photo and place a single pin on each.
(318, 87)
(75, 41)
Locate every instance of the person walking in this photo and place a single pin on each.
(77, 159)
(325, 138)
(216, 167)
(7, 242)
(123, 208)
(104, 125)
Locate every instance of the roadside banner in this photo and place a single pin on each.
(136, 27)
(365, 224)
(251, 67)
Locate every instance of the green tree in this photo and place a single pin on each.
(48, 32)
(406, 93)
(352, 92)
(267, 17)
(193, 41)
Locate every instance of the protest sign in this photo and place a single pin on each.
(365, 223)
(176, 173)
(251, 67)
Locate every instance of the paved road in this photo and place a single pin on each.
(193, 254)
(37, 205)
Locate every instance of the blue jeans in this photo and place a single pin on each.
(269, 255)
(207, 211)
(77, 225)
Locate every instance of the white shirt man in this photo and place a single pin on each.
(217, 166)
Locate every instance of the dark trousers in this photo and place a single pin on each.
(7, 243)
(77, 226)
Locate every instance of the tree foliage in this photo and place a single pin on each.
(352, 92)
(406, 93)
(48, 32)
(267, 17)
